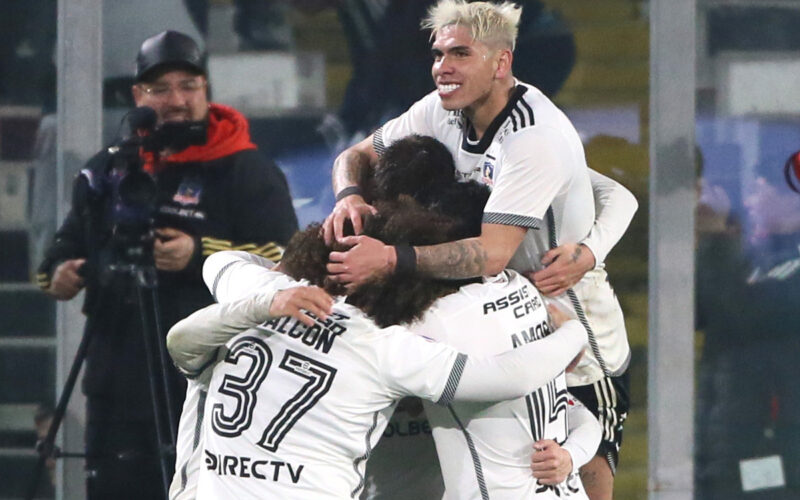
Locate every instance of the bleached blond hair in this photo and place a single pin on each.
(494, 24)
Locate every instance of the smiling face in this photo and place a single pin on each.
(469, 75)
(175, 96)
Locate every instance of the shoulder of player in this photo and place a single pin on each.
(533, 114)
(521, 138)
(449, 308)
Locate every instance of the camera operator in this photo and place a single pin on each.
(218, 194)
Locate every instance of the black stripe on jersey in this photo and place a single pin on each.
(531, 419)
(198, 427)
(527, 110)
(573, 298)
(377, 142)
(516, 120)
(493, 127)
(218, 277)
(511, 220)
(363, 458)
(476, 460)
(576, 304)
(540, 413)
(452, 381)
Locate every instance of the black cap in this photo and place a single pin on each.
(169, 50)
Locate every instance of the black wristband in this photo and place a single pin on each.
(406, 259)
(347, 192)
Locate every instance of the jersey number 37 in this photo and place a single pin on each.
(318, 377)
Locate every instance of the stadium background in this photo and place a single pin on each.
(657, 88)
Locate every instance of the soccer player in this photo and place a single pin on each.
(540, 218)
(293, 411)
(502, 436)
(285, 303)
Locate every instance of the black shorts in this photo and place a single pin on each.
(609, 400)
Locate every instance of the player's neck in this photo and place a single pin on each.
(483, 112)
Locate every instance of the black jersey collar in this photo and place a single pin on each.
(488, 137)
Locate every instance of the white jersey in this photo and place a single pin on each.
(532, 158)
(485, 448)
(188, 447)
(294, 411)
(335, 383)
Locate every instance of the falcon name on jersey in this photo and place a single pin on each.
(320, 336)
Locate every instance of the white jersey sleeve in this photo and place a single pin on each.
(230, 275)
(518, 372)
(614, 210)
(413, 366)
(535, 171)
(245, 287)
(584, 434)
(418, 119)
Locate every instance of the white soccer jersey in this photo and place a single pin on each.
(293, 411)
(189, 445)
(485, 448)
(532, 158)
(285, 383)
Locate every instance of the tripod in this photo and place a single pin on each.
(146, 284)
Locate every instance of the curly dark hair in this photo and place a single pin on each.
(416, 165)
(419, 203)
(394, 299)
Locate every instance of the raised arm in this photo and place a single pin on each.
(350, 169)
(250, 294)
(615, 207)
(486, 254)
(566, 264)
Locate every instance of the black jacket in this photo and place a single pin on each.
(240, 201)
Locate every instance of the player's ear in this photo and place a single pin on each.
(503, 61)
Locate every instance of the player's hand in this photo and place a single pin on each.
(296, 301)
(551, 464)
(66, 282)
(351, 207)
(173, 249)
(367, 259)
(565, 266)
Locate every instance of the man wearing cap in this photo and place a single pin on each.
(217, 194)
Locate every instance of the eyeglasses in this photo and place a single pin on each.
(161, 91)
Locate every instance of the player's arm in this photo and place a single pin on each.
(193, 341)
(250, 293)
(517, 372)
(487, 254)
(350, 169)
(551, 463)
(231, 275)
(566, 264)
(519, 201)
